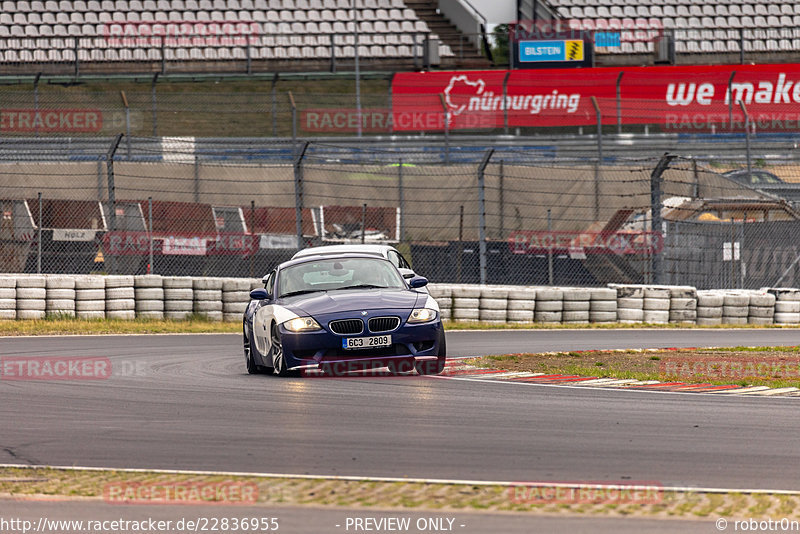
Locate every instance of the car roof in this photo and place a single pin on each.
(338, 249)
(316, 257)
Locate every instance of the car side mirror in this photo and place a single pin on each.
(259, 294)
(417, 282)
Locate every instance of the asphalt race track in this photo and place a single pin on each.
(185, 402)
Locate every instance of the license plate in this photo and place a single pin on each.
(366, 342)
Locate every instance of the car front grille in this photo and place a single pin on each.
(346, 326)
(383, 324)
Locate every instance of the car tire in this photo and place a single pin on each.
(277, 354)
(250, 363)
(428, 367)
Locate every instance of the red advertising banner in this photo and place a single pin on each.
(51, 120)
(677, 98)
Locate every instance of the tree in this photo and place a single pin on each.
(500, 45)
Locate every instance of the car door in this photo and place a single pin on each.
(263, 317)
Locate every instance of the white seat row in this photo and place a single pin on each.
(681, 10)
(81, 6)
(205, 54)
(91, 17)
(187, 30)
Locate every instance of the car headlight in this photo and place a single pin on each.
(301, 324)
(422, 315)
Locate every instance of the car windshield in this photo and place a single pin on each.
(338, 273)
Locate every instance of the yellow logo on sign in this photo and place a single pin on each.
(574, 50)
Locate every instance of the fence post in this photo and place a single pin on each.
(252, 234)
(401, 199)
(127, 122)
(76, 49)
(505, 102)
(746, 138)
(150, 266)
(502, 200)
(446, 129)
(599, 158)
(298, 193)
(461, 242)
(619, 102)
(36, 101)
(363, 222)
(39, 238)
(730, 100)
(274, 105)
(358, 71)
(294, 119)
(655, 213)
(550, 249)
(112, 198)
(196, 182)
(155, 104)
(482, 212)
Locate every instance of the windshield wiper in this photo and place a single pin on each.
(301, 292)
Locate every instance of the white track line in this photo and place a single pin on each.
(543, 483)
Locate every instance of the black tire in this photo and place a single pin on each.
(250, 363)
(277, 354)
(400, 367)
(434, 367)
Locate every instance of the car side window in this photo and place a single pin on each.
(269, 285)
(403, 263)
(394, 257)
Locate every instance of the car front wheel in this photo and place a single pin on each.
(277, 354)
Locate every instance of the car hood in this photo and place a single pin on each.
(355, 299)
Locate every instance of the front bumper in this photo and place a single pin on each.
(320, 348)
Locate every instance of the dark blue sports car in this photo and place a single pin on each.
(342, 314)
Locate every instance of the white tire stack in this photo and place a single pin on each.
(208, 298)
(575, 303)
(60, 299)
(735, 307)
(683, 304)
(178, 297)
(762, 308)
(120, 298)
(656, 305)
(787, 305)
(90, 297)
(630, 304)
(466, 303)
(149, 294)
(443, 295)
(709, 307)
(549, 305)
(31, 294)
(235, 298)
(8, 297)
(521, 303)
(493, 304)
(603, 305)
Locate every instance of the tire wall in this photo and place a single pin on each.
(225, 299)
